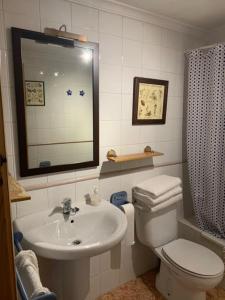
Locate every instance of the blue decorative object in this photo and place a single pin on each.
(69, 92)
(45, 164)
(82, 93)
(119, 198)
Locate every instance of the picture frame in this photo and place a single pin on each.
(149, 101)
(34, 93)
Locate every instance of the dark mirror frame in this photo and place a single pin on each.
(17, 35)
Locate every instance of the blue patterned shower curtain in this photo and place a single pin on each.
(205, 135)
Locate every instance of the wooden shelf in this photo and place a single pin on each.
(135, 156)
(16, 191)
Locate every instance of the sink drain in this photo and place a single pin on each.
(76, 242)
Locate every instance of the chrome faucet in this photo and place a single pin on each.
(67, 209)
(66, 206)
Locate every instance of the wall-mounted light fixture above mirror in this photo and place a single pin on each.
(56, 85)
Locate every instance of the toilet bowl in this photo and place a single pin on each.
(187, 269)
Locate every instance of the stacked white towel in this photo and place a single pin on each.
(159, 191)
(27, 266)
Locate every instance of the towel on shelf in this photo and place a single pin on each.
(157, 186)
(150, 201)
(27, 266)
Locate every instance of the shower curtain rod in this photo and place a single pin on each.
(204, 47)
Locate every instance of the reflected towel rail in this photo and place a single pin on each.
(59, 143)
(18, 236)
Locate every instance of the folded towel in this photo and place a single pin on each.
(158, 185)
(149, 200)
(164, 204)
(27, 265)
(156, 208)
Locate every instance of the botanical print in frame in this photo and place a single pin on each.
(34, 93)
(149, 101)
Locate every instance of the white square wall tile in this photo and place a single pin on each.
(11, 165)
(148, 134)
(151, 57)
(172, 78)
(110, 23)
(127, 103)
(4, 67)
(130, 135)
(2, 32)
(109, 185)
(172, 151)
(110, 49)
(13, 211)
(88, 172)
(95, 265)
(84, 17)
(60, 14)
(132, 29)
(94, 287)
(132, 51)
(61, 176)
(110, 107)
(85, 188)
(109, 133)
(179, 86)
(148, 73)
(33, 180)
(172, 39)
(58, 193)
(128, 75)
(105, 261)
(6, 103)
(174, 108)
(91, 35)
(152, 34)
(110, 78)
(169, 60)
(25, 7)
(38, 202)
(20, 21)
(109, 280)
(8, 128)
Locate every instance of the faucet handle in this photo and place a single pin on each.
(66, 201)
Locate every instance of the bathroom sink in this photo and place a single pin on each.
(91, 231)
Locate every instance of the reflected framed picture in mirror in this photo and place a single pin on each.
(34, 93)
(57, 101)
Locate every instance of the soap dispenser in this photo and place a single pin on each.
(95, 198)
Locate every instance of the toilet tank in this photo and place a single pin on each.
(158, 228)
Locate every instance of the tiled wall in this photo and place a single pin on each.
(129, 46)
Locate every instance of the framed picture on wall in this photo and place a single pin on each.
(149, 101)
(34, 93)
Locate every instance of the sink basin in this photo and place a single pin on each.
(91, 231)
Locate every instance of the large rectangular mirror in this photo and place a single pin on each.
(56, 84)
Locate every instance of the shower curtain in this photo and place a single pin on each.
(205, 135)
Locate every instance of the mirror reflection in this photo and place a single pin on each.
(58, 101)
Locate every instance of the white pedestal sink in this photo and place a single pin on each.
(91, 231)
(66, 243)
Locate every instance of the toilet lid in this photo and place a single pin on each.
(193, 258)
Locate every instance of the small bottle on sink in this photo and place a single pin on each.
(95, 197)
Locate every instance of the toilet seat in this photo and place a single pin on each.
(193, 259)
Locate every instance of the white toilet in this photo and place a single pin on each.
(187, 269)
